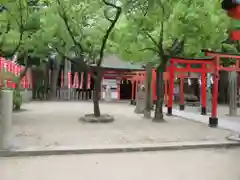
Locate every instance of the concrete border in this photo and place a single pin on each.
(119, 149)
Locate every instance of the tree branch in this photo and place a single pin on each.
(109, 30)
(151, 38)
(160, 42)
(149, 49)
(73, 60)
(106, 16)
(177, 47)
(62, 13)
(21, 28)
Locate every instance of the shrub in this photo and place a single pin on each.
(17, 100)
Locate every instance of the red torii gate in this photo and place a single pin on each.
(206, 66)
(210, 65)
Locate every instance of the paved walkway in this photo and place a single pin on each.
(225, 122)
(49, 125)
(173, 165)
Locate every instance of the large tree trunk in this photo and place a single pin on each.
(46, 79)
(232, 93)
(23, 72)
(54, 78)
(97, 89)
(158, 115)
(148, 91)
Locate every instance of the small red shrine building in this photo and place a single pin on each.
(117, 74)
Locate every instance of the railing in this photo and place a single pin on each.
(15, 69)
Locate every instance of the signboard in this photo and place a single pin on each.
(110, 82)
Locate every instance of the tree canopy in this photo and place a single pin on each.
(201, 24)
(32, 25)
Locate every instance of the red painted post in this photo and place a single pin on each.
(171, 86)
(132, 95)
(166, 92)
(81, 81)
(118, 88)
(181, 105)
(213, 120)
(203, 90)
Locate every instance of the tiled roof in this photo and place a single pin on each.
(112, 61)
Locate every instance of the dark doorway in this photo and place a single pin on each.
(126, 89)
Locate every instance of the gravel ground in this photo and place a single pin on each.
(51, 124)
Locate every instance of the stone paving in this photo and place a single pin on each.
(55, 124)
(208, 164)
(222, 111)
(224, 120)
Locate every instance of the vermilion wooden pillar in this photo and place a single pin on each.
(132, 90)
(166, 92)
(132, 95)
(171, 86)
(213, 120)
(203, 91)
(118, 88)
(181, 105)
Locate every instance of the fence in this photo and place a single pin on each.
(9, 66)
(72, 89)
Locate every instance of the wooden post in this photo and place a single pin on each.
(118, 88)
(132, 93)
(171, 86)
(213, 120)
(181, 105)
(166, 92)
(203, 91)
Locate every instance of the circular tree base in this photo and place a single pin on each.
(90, 118)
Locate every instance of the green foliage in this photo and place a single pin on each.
(202, 24)
(231, 49)
(17, 100)
(87, 27)
(23, 33)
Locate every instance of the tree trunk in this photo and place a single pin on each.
(232, 93)
(97, 89)
(158, 115)
(22, 74)
(148, 88)
(54, 78)
(46, 79)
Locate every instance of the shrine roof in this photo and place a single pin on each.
(222, 54)
(114, 62)
(199, 58)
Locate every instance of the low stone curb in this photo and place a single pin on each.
(141, 148)
(234, 138)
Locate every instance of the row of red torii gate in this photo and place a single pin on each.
(180, 67)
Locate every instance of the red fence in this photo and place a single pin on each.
(26, 82)
(9, 66)
(74, 81)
